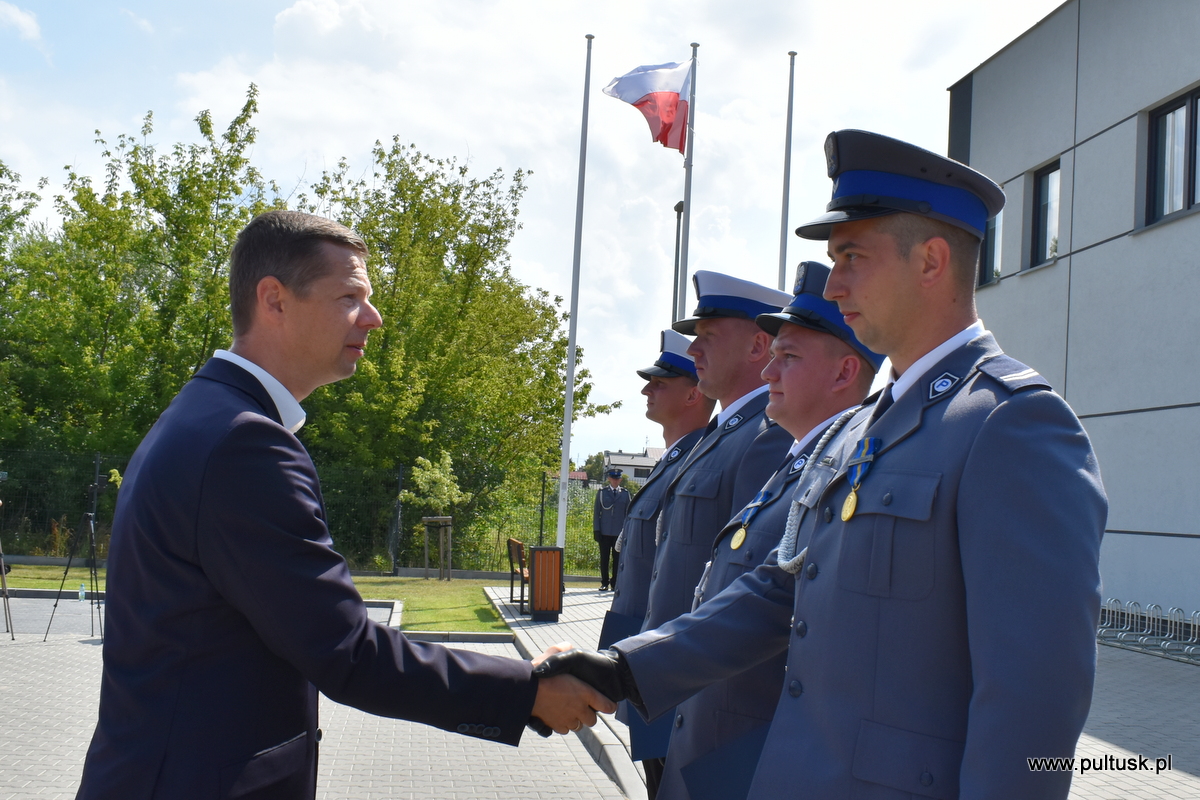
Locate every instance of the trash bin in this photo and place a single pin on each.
(545, 583)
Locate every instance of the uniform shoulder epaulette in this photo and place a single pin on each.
(1012, 374)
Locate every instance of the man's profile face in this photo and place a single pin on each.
(875, 290)
(666, 398)
(328, 326)
(721, 347)
(803, 367)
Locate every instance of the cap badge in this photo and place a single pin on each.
(733, 421)
(831, 154)
(944, 383)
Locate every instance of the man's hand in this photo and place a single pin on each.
(605, 669)
(565, 704)
(561, 647)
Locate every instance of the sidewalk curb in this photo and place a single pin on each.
(605, 748)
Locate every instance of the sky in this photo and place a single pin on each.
(499, 85)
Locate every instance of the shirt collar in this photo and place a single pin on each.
(731, 409)
(799, 445)
(926, 362)
(290, 413)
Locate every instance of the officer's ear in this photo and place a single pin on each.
(936, 262)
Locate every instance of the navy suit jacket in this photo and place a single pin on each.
(228, 610)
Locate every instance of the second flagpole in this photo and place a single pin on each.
(564, 474)
(680, 309)
(787, 178)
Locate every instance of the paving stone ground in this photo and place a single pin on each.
(49, 693)
(1142, 706)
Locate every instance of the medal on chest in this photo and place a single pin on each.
(856, 469)
(739, 537)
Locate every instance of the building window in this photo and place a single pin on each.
(1045, 214)
(1172, 158)
(989, 250)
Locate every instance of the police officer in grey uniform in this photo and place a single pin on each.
(937, 585)
(608, 517)
(818, 370)
(740, 450)
(674, 401)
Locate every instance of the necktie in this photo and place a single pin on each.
(881, 405)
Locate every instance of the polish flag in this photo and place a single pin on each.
(661, 93)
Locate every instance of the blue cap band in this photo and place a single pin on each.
(948, 201)
(678, 362)
(751, 308)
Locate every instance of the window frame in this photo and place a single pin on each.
(1036, 258)
(1190, 103)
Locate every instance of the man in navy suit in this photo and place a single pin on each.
(228, 609)
(937, 585)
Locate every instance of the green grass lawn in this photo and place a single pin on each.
(429, 605)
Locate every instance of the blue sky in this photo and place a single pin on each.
(499, 85)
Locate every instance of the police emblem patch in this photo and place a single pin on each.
(733, 421)
(944, 383)
(674, 454)
(798, 464)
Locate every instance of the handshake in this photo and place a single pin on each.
(574, 684)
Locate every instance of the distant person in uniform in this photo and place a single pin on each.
(937, 584)
(608, 516)
(228, 609)
(734, 458)
(818, 370)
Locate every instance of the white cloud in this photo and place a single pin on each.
(24, 21)
(141, 23)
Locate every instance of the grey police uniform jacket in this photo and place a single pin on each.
(637, 551)
(608, 512)
(730, 709)
(719, 476)
(946, 632)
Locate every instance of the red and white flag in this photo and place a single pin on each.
(661, 93)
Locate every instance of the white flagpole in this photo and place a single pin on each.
(564, 474)
(787, 178)
(681, 309)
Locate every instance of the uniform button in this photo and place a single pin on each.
(828, 515)
(616, 593)
(654, 577)
(679, 721)
(926, 779)
(319, 734)
(887, 501)
(801, 629)
(795, 689)
(812, 571)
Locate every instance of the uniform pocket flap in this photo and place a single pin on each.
(643, 510)
(699, 483)
(898, 494)
(910, 762)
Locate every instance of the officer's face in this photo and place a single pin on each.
(327, 327)
(666, 398)
(875, 289)
(722, 348)
(803, 369)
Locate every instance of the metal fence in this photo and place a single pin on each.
(46, 494)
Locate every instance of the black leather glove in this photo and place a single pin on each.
(606, 670)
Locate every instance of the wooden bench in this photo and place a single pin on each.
(517, 569)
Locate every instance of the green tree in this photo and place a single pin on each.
(594, 467)
(104, 319)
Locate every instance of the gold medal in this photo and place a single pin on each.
(850, 504)
(738, 539)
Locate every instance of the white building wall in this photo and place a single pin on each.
(1113, 324)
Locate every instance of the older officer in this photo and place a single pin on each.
(608, 517)
(940, 569)
(818, 370)
(729, 464)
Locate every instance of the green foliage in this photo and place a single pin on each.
(594, 467)
(438, 488)
(103, 320)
